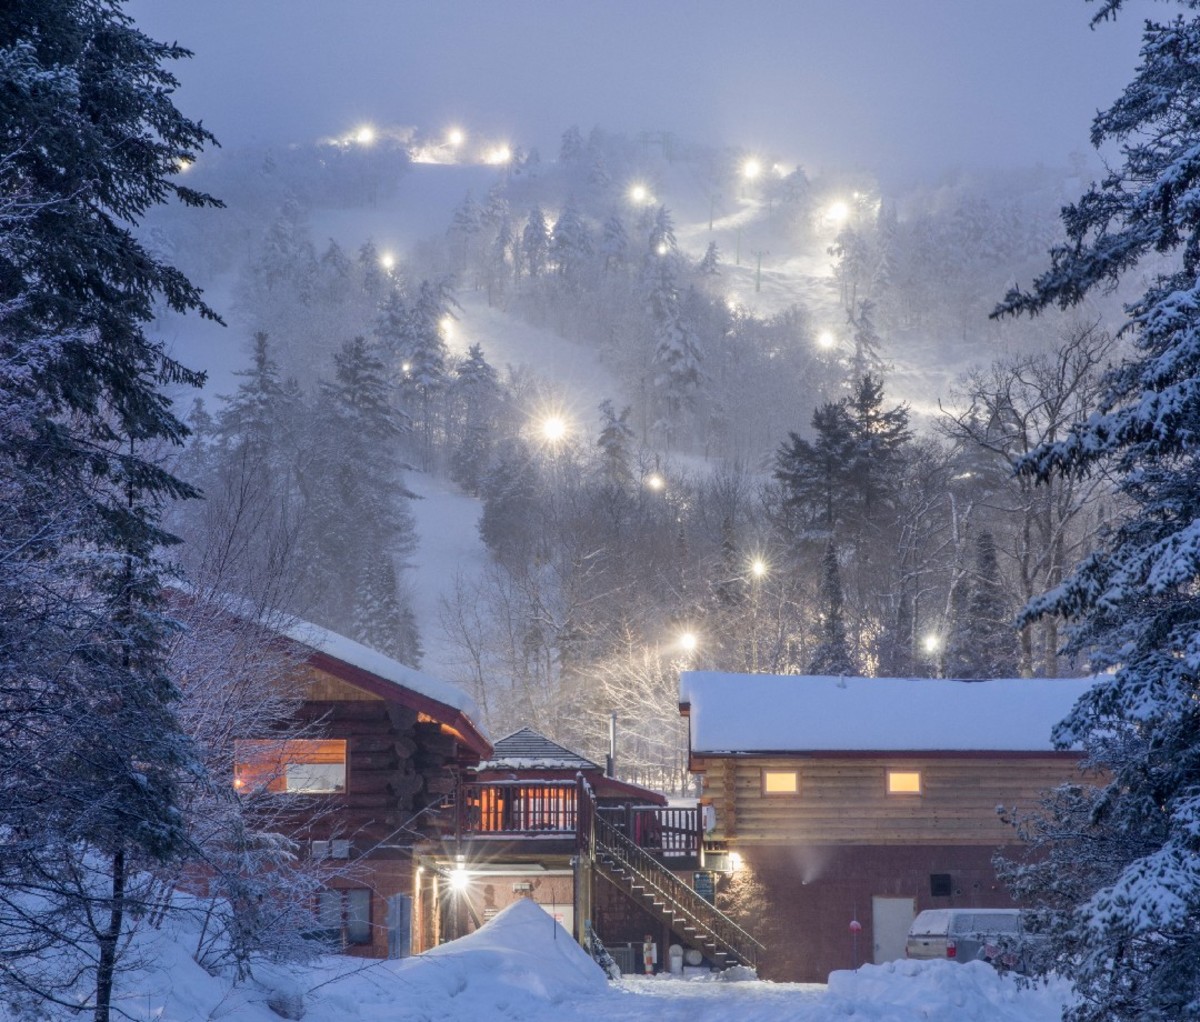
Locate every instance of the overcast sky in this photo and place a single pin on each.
(891, 86)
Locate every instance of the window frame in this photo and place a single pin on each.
(768, 792)
(891, 792)
(267, 765)
(343, 899)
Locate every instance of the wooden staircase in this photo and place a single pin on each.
(665, 896)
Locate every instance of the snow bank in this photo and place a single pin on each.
(909, 991)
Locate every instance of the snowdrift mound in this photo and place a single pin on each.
(523, 948)
(964, 992)
(518, 960)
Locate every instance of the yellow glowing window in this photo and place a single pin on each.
(780, 782)
(302, 765)
(904, 782)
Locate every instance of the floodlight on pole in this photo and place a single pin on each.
(554, 428)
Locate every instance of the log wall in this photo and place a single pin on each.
(844, 800)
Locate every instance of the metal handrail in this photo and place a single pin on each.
(723, 931)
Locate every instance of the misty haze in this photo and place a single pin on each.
(721, 431)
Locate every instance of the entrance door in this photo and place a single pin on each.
(890, 920)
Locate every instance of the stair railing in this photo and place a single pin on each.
(677, 897)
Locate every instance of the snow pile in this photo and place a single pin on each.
(908, 991)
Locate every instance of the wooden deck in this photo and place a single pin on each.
(537, 810)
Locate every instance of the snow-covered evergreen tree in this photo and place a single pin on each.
(1126, 934)
(867, 341)
(91, 747)
(676, 359)
(355, 503)
(476, 390)
(983, 639)
(571, 148)
(832, 655)
(465, 227)
(571, 247)
(535, 242)
(614, 243)
(615, 443)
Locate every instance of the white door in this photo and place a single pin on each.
(890, 920)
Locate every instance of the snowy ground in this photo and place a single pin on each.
(523, 966)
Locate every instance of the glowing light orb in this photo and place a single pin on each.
(931, 643)
(498, 156)
(387, 261)
(837, 213)
(365, 135)
(456, 137)
(758, 567)
(826, 340)
(447, 325)
(751, 169)
(459, 879)
(688, 642)
(406, 367)
(662, 248)
(655, 482)
(639, 194)
(554, 428)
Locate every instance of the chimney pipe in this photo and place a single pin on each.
(610, 767)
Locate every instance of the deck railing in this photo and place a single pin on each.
(543, 808)
(518, 808)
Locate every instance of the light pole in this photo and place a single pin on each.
(758, 571)
(758, 271)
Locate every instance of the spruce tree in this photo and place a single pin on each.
(1123, 918)
(535, 242)
(832, 655)
(89, 142)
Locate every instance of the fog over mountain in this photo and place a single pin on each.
(899, 89)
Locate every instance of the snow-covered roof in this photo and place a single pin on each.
(526, 749)
(363, 657)
(798, 713)
(348, 651)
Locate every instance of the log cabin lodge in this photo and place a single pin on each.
(824, 800)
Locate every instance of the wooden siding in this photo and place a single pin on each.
(844, 801)
(320, 686)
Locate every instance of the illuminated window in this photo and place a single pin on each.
(904, 782)
(780, 782)
(303, 765)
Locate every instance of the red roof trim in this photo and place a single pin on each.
(397, 693)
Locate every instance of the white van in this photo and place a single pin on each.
(966, 935)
